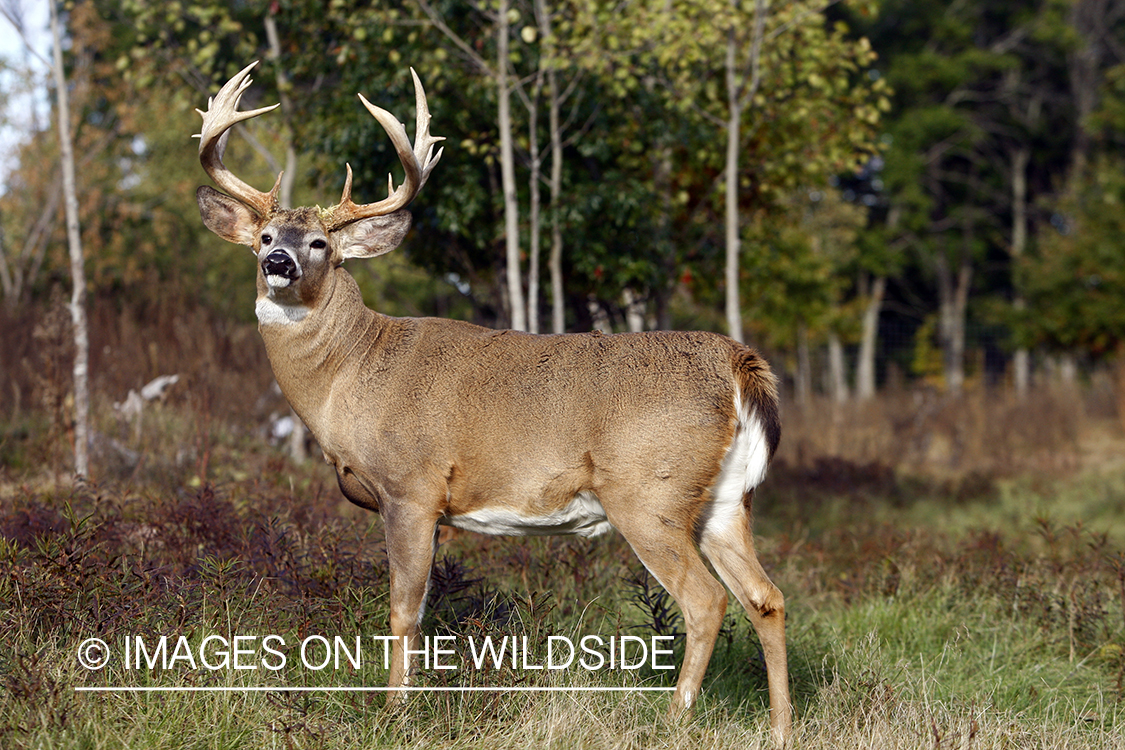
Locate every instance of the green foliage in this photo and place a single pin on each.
(797, 264)
(615, 212)
(1075, 282)
(202, 39)
(815, 113)
(931, 102)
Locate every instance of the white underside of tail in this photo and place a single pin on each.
(743, 468)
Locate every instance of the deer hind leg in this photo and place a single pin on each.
(411, 543)
(668, 551)
(727, 541)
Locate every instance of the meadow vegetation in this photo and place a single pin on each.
(954, 574)
(953, 555)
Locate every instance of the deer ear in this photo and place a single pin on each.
(227, 217)
(368, 238)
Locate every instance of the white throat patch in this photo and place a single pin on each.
(271, 312)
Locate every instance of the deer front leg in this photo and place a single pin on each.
(411, 542)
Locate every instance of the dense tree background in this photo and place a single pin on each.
(924, 189)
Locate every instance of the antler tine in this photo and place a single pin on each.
(424, 142)
(417, 160)
(222, 114)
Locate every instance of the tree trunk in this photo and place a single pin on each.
(739, 95)
(513, 300)
(7, 286)
(865, 367)
(77, 264)
(733, 238)
(599, 318)
(662, 182)
(558, 309)
(533, 218)
(554, 125)
(634, 310)
(289, 174)
(516, 303)
(23, 267)
(954, 298)
(1084, 74)
(803, 379)
(1021, 361)
(837, 369)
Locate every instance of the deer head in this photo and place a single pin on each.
(298, 248)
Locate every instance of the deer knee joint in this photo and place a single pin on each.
(772, 604)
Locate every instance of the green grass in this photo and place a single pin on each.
(993, 621)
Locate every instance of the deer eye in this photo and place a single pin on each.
(318, 244)
(266, 239)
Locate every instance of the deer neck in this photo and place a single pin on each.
(311, 348)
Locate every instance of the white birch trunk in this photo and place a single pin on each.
(837, 369)
(865, 367)
(733, 238)
(534, 209)
(554, 262)
(558, 308)
(953, 289)
(803, 380)
(1021, 361)
(77, 264)
(516, 303)
(634, 305)
(739, 95)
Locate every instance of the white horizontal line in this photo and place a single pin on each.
(290, 689)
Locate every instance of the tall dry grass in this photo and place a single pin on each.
(224, 386)
(923, 431)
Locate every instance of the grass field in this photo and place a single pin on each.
(931, 602)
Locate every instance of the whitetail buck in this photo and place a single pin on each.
(661, 435)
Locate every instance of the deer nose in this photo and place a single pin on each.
(280, 263)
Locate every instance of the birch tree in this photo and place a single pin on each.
(77, 260)
(501, 75)
(742, 83)
(791, 110)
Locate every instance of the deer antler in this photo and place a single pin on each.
(418, 161)
(221, 115)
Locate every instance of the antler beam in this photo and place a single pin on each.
(418, 161)
(222, 114)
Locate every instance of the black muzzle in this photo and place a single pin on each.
(280, 263)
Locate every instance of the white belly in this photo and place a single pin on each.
(583, 516)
